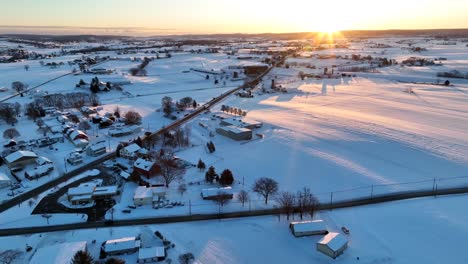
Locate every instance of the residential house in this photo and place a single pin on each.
(146, 168)
(121, 246)
(20, 158)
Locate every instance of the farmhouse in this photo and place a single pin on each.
(235, 133)
(215, 193)
(332, 244)
(308, 228)
(20, 159)
(121, 246)
(146, 168)
(151, 254)
(58, 254)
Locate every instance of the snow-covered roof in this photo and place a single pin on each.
(105, 190)
(57, 254)
(334, 241)
(80, 190)
(142, 192)
(79, 198)
(309, 226)
(216, 191)
(235, 129)
(124, 174)
(75, 133)
(132, 148)
(151, 252)
(4, 177)
(124, 243)
(43, 160)
(98, 146)
(15, 156)
(143, 164)
(40, 170)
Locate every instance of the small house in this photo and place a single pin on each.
(130, 151)
(75, 158)
(39, 171)
(96, 149)
(332, 244)
(143, 196)
(308, 228)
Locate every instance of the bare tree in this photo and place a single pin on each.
(169, 169)
(8, 256)
(19, 87)
(10, 133)
(132, 118)
(265, 187)
(186, 258)
(167, 105)
(286, 201)
(243, 197)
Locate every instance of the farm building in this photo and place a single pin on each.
(121, 246)
(57, 254)
(151, 254)
(332, 244)
(215, 193)
(146, 168)
(5, 181)
(308, 228)
(241, 122)
(236, 133)
(77, 134)
(20, 159)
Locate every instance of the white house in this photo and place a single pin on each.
(332, 244)
(130, 151)
(57, 254)
(308, 228)
(121, 246)
(151, 254)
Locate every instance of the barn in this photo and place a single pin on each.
(332, 244)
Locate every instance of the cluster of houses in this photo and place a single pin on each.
(64, 252)
(331, 244)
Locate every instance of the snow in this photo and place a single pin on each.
(58, 254)
(119, 244)
(151, 252)
(20, 154)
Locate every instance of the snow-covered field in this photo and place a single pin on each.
(366, 134)
(430, 230)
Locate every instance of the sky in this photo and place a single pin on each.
(153, 17)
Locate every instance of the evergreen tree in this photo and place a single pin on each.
(210, 175)
(201, 165)
(82, 257)
(226, 177)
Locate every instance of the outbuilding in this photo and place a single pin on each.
(333, 244)
(58, 254)
(236, 133)
(143, 196)
(308, 228)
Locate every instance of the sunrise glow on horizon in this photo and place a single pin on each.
(209, 16)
